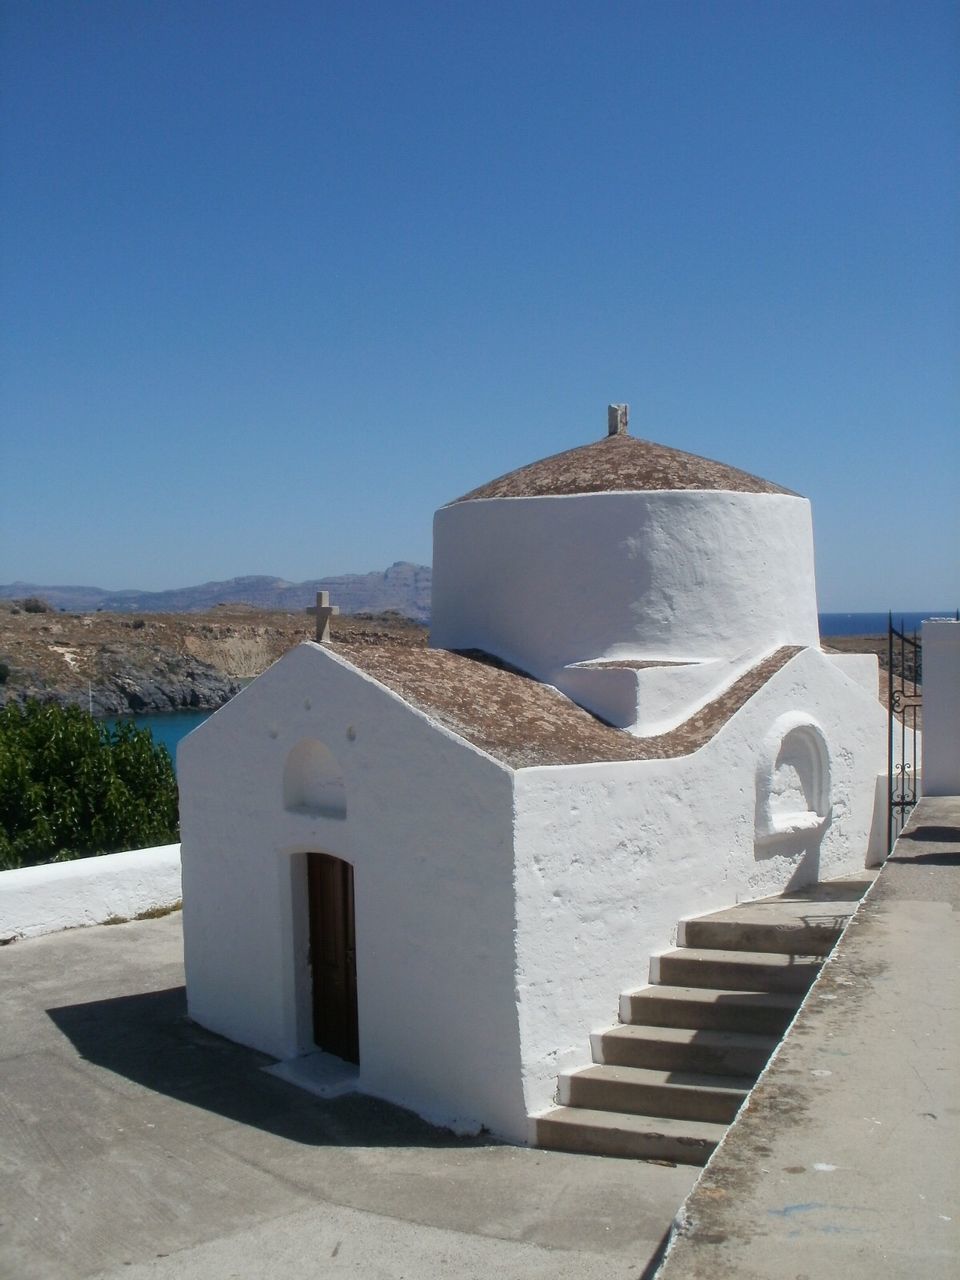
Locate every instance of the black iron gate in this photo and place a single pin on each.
(904, 704)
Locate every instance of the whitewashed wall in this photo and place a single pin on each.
(611, 856)
(428, 829)
(548, 581)
(941, 707)
(69, 895)
(498, 915)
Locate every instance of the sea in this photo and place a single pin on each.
(169, 727)
(875, 624)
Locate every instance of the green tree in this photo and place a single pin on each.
(71, 785)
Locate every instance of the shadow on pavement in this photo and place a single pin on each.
(928, 859)
(943, 835)
(150, 1040)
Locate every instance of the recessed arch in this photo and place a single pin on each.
(793, 778)
(313, 781)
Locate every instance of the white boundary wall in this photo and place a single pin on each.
(941, 707)
(67, 895)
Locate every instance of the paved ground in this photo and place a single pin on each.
(133, 1144)
(845, 1160)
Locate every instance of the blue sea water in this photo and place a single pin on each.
(875, 624)
(169, 727)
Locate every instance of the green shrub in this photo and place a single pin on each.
(71, 786)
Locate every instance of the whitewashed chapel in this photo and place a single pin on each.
(442, 864)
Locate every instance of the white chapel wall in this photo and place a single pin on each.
(611, 856)
(428, 832)
(547, 581)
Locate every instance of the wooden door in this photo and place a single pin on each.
(333, 957)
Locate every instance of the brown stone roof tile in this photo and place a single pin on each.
(616, 464)
(524, 723)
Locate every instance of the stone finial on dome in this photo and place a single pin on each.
(617, 415)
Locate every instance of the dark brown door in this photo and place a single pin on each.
(333, 956)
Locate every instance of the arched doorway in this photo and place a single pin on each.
(333, 956)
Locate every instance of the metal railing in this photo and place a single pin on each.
(904, 703)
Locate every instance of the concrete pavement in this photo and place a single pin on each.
(844, 1161)
(133, 1144)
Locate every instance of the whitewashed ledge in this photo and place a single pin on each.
(68, 895)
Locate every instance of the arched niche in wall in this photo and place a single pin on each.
(793, 779)
(313, 781)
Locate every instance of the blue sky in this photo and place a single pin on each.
(280, 279)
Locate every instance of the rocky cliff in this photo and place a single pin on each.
(144, 663)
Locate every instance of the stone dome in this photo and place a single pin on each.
(620, 463)
(623, 550)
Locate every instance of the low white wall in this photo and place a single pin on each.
(66, 895)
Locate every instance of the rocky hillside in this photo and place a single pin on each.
(403, 588)
(116, 663)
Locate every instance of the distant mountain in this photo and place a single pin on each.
(403, 587)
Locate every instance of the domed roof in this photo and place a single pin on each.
(620, 464)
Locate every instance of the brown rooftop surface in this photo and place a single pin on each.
(620, 464)
(524, 723)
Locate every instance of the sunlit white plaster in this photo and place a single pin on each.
(500, 912)
(793, 778)
(684, 575)
(313, 780)
(68, 895)
(428, 831)
(611, 856)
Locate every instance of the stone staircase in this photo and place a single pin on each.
(669, 1079)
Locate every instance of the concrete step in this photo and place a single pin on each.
(737, 970)
(743, 930)
(726, 1053)
(642, 1091)
(708, 1009)
(815, 939)
(609, 1133)
(846, 890)
(804, 922)
(668, 1081)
